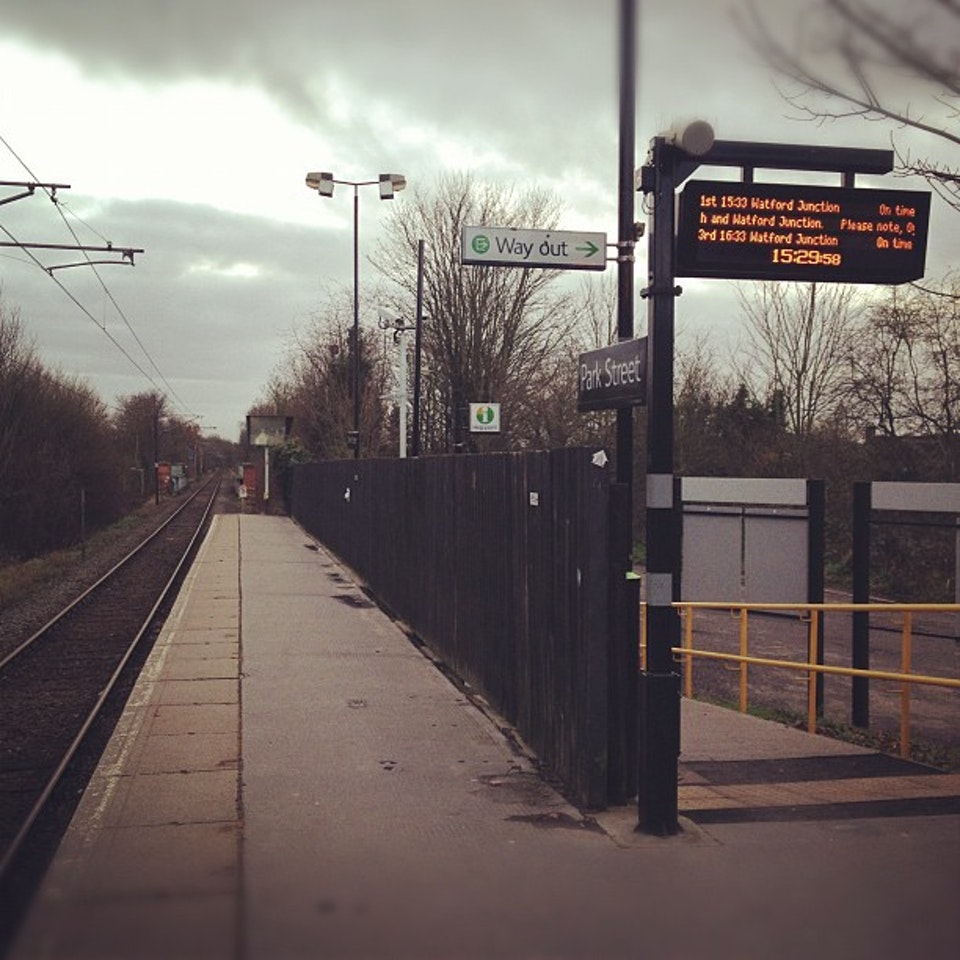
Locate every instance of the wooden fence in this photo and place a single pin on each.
(502, 565)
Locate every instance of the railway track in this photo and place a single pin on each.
(57, 687)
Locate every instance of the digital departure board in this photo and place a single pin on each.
(766, 231)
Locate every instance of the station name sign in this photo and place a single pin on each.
(767, 231)
(613, 376)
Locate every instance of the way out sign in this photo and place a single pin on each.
(550, 249)
(484, 417)
(613, 376)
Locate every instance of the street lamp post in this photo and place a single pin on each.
(399, 329)
(389, 184)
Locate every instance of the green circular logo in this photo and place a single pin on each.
(485, 415)
(480, 243)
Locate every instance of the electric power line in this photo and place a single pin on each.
(102, 326)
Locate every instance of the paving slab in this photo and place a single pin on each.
(333, 795)
(151, 865)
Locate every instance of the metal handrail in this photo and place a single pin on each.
(811, 612)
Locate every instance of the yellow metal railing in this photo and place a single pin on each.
(811, 613)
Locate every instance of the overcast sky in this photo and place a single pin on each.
(185, 127)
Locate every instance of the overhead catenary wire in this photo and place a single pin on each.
(167, 388)
(101, 325)
(86, 312)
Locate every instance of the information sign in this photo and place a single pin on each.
(267, 431)
(552, 249)
(613, 376)
(766, 231)
(484, 417)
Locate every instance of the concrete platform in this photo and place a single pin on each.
(294, 779)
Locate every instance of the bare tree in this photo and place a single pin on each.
(594, 306)
(136, 424)
(700, 390)
(800, 339)
(905, 372)
(55, 441)
(876, 370)
(17, 360)
(934, 365)
(895, 62)
(147, 432)
(490, 330)
(314, 385)
(905, 365)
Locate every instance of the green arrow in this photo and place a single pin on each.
(590, 249)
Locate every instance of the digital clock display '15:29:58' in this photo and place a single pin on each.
(787, 255)
(764, 231)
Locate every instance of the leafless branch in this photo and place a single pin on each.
(892, 41)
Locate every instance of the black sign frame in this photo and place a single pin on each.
(777, 231)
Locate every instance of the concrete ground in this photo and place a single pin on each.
(294, 779)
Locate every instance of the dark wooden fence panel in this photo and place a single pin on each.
(501, 565)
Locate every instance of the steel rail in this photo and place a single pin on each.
(13, 849)
(91, 589)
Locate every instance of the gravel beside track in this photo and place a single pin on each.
(40, 724)
(22, 618)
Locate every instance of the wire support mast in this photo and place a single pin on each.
(126, 253)
(29, 187)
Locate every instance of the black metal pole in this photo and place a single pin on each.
(417, 351)
(659, 747)
(156, 456)
(626, 235)
(356, 322)
(83, 523)
(623, 658)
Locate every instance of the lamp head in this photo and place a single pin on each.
(321, 182)
(391, 183)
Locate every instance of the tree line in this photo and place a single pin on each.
(834, 381)
(69, 464)
(839, 382)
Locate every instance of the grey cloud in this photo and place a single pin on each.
(496, 72)
(216, 338)
(534, 80)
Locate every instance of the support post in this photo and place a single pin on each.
(626, 231)
(417, 352)
(356, 322)
(83, 523)
(659, 682)
(156, 456)
(623, 657)
(402, 391)
(860, 654)
(266, 479)
(816, 547)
